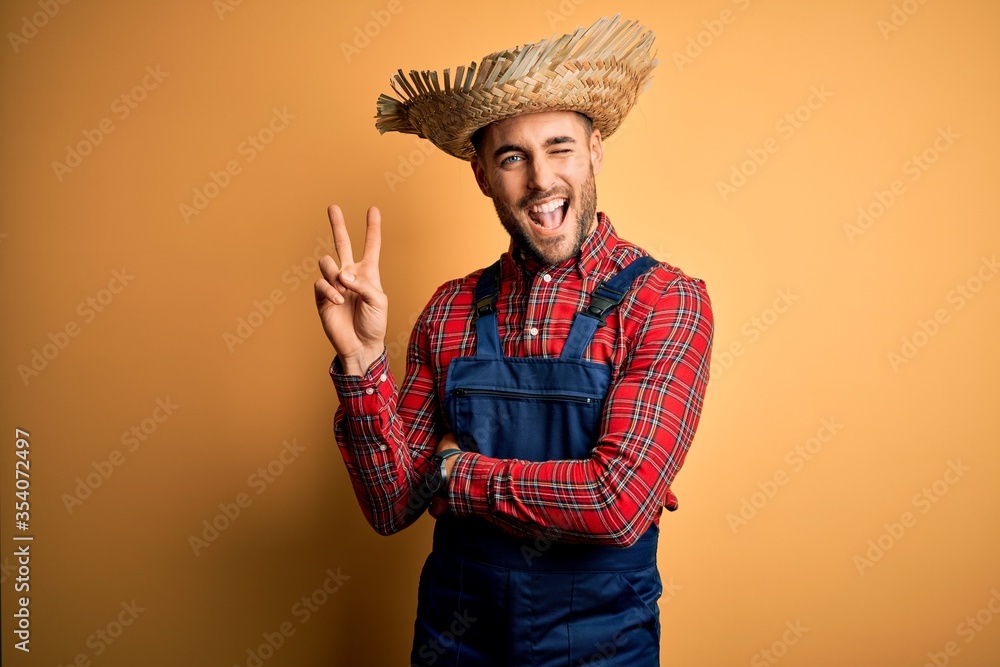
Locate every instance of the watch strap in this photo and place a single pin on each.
(441, 457)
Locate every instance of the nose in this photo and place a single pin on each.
(541, 176)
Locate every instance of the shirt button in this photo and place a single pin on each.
(369, 391)
(546, 277)
(533, 331)
(383, 377)
(382, 448)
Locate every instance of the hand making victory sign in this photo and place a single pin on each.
(350, 300)
(354, 309)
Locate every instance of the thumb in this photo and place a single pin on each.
(361, 285)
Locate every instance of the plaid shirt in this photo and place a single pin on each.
(657, 342)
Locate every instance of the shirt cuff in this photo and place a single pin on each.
(471, 483)
(366, 394)
(671, 503)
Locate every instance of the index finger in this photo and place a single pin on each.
(341, 240)
(373, 235)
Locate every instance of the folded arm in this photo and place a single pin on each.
(649, 420)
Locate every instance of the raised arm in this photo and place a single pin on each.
(386, 456)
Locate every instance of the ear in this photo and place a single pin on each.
(481, 179)
(596, 151)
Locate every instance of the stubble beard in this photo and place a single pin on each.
(548, 254)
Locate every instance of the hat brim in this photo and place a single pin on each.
(598, 71)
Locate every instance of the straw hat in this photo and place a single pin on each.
(598, 71)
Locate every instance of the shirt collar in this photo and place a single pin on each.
(597, 246)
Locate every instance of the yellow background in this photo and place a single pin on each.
(890, 90)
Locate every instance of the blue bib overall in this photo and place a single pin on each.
(487, 598)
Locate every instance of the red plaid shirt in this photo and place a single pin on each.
(658, 343)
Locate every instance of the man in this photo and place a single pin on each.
(550, 399)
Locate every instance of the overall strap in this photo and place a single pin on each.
(485, 312)
(602, 300)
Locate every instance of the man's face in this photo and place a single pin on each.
(539, 170)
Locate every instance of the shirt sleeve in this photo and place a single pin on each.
(387, 436)
(649, 420)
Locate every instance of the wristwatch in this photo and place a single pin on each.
(437, 478)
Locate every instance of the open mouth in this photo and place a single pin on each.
(549, 215)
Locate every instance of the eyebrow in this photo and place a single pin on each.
(514, 148)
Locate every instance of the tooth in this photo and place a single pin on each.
(548, 207)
